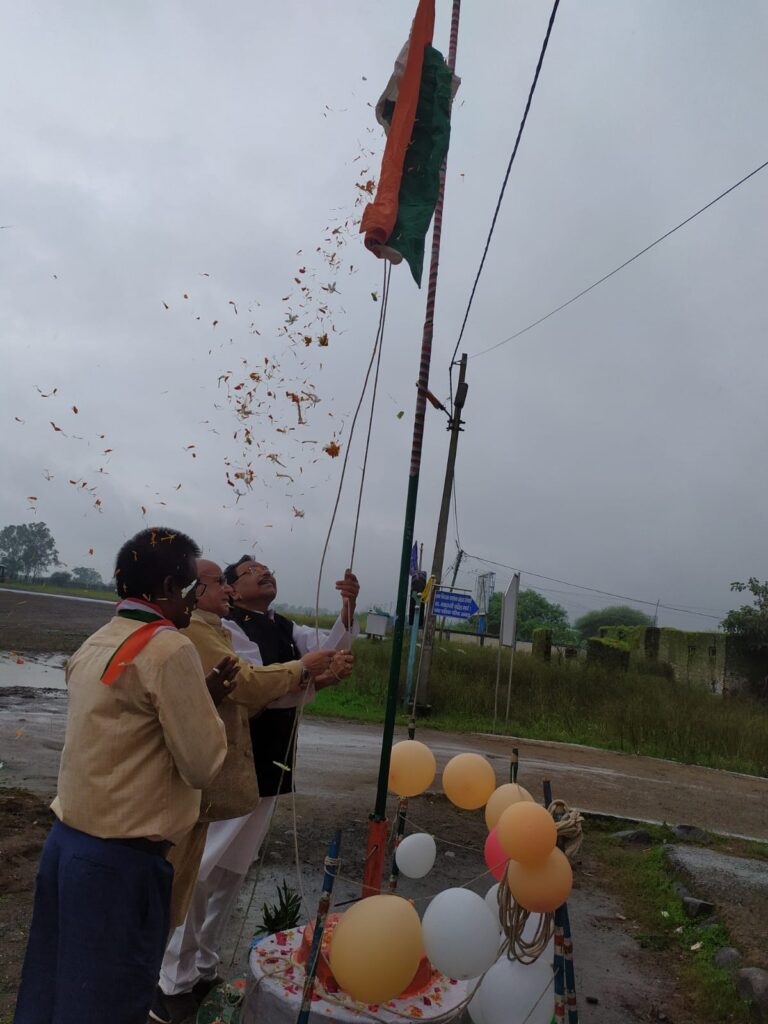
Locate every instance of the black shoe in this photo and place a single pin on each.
(178, 1009)
(159, 1011)
(204, 986)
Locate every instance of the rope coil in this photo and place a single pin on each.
(513, 918)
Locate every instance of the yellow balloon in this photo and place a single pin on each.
(468, 781)
(412, 768)
(526, 833)
(544, 888)
(506, 795)
(376, 948)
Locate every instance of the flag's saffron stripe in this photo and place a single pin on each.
(380, 216)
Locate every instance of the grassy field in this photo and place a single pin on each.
(326, 620)
(46, 588)
(567, 701)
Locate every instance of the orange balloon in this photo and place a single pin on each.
(468, 781)
(412, 768)
(544, 888)
(376, 948)
(527, 833)
(506, 795)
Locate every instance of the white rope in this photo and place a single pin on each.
(375, 356)
(376, 344)
(384, 302)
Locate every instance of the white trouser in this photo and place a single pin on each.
(231, 847)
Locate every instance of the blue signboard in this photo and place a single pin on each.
(454, 605)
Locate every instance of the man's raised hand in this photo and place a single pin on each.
(220, 680)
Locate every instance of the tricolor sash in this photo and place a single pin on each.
(154, 621)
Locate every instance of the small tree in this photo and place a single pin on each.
(751, 620)
(60, 578)
(616, 615)
(85, 577)
(534, 611)
(27, 549)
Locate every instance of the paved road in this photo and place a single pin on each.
(343, 757)
(57, 597)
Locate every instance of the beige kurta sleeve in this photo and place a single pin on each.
(257, 685)
(193, 731)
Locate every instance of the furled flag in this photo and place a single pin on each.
(414, 559)
(415, 110)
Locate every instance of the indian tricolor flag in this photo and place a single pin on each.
(415, 110)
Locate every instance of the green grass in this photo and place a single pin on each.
(326, 620)
(570, 702)
(645, 885)
(102, 594)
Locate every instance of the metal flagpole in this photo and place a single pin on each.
(377, 834)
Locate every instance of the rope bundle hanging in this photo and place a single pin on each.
(513, 918)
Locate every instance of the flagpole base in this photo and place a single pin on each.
(374, 856)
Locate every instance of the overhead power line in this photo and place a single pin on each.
(531, 91)
(621, 266)
(594, 590)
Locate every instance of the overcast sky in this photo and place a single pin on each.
(620, 445)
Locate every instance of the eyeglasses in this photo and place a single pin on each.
(200, 588)
(255, 570)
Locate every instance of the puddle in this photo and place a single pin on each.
(44, 671)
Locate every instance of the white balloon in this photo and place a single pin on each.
(415, 855)
(492, 900)
(475, 1013)
(461, 936)
(513, 993)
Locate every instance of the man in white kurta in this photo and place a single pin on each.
(191, 960)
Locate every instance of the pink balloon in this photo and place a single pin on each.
(495, 857)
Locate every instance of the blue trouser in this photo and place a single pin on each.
(99, 927)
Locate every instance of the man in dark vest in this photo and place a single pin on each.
(280, 639)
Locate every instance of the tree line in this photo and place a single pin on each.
(28, 551)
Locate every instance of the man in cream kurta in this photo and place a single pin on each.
(234, 792)
(232, 845)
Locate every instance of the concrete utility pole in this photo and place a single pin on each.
(456, 566)
(455, 427)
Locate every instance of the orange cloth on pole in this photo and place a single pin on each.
(379, 217)
(373, 871)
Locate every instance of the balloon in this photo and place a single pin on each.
(492, 900)
(502, 798)
(475, 1013)
(376, 948)
(415, 855)
(461, 937)
(412, 768)
(495, 857)
(512, 992)
(468, 781)
(544, 888)
(527, 833)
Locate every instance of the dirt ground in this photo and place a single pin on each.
(617, 979)
(31, 623)
(24, 822)
(627, 982)
(336, 782)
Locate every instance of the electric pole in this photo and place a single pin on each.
(455, 428)
(456, 565)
